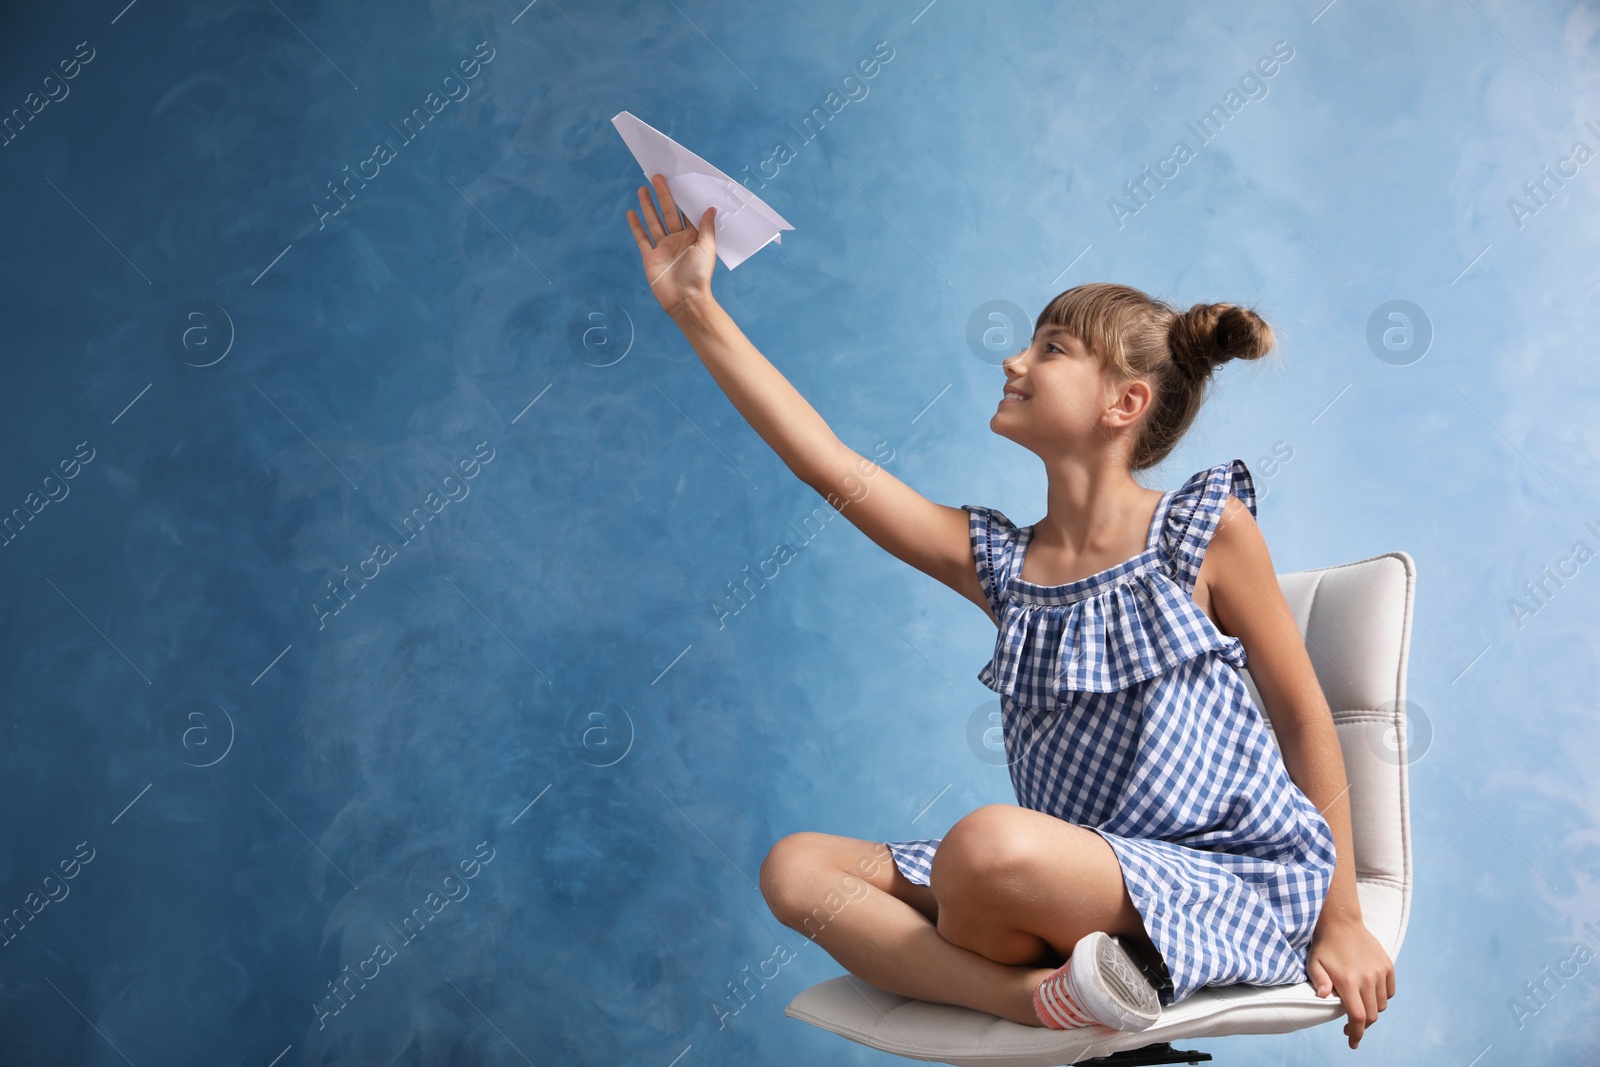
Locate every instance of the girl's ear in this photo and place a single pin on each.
(1130, 401)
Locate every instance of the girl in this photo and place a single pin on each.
(1163, 840)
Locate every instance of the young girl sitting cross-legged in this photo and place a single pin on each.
(1161, 841)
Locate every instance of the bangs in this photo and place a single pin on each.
(1104, 317)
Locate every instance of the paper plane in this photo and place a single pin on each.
(744, 225)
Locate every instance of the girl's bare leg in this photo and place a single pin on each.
(848, 896)
(1010, 896)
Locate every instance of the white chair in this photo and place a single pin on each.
(1356, 620)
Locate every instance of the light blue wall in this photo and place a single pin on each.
(551, 638)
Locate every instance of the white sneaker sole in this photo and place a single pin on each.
(1110, 983)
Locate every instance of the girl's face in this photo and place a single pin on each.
(1067, 398)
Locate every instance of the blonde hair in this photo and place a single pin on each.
(1137, 336)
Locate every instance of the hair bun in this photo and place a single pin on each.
(1210, 334)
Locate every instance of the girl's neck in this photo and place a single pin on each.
(1092, 511)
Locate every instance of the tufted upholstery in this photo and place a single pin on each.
(1356, 620)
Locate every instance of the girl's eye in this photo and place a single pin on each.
(1055, 348)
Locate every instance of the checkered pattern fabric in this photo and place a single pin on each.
(1123, 711)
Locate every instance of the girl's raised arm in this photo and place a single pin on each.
(930, 537)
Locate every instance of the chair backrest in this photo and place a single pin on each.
(1356, 621)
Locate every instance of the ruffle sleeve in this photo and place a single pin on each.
(1194, 513)
(994, 541)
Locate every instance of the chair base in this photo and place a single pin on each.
(1160, 1052)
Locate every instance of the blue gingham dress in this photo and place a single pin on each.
(1123, 711)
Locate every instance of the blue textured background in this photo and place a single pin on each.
(543, 674)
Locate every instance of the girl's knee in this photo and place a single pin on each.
(787, 863)
(982, 850)
(807, 871)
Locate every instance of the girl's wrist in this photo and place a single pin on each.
(1335, 916)
(694, 309)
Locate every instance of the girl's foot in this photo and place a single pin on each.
(1099, 983)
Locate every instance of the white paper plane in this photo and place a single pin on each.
(743, 224)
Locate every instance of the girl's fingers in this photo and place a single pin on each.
(1319, 977)
(1369, 997)
(652, 221)
(1356, 1012)
(669, 207)
(640, 238)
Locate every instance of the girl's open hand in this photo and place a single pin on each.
(680, 262)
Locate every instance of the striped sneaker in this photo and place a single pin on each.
(1101, 983)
